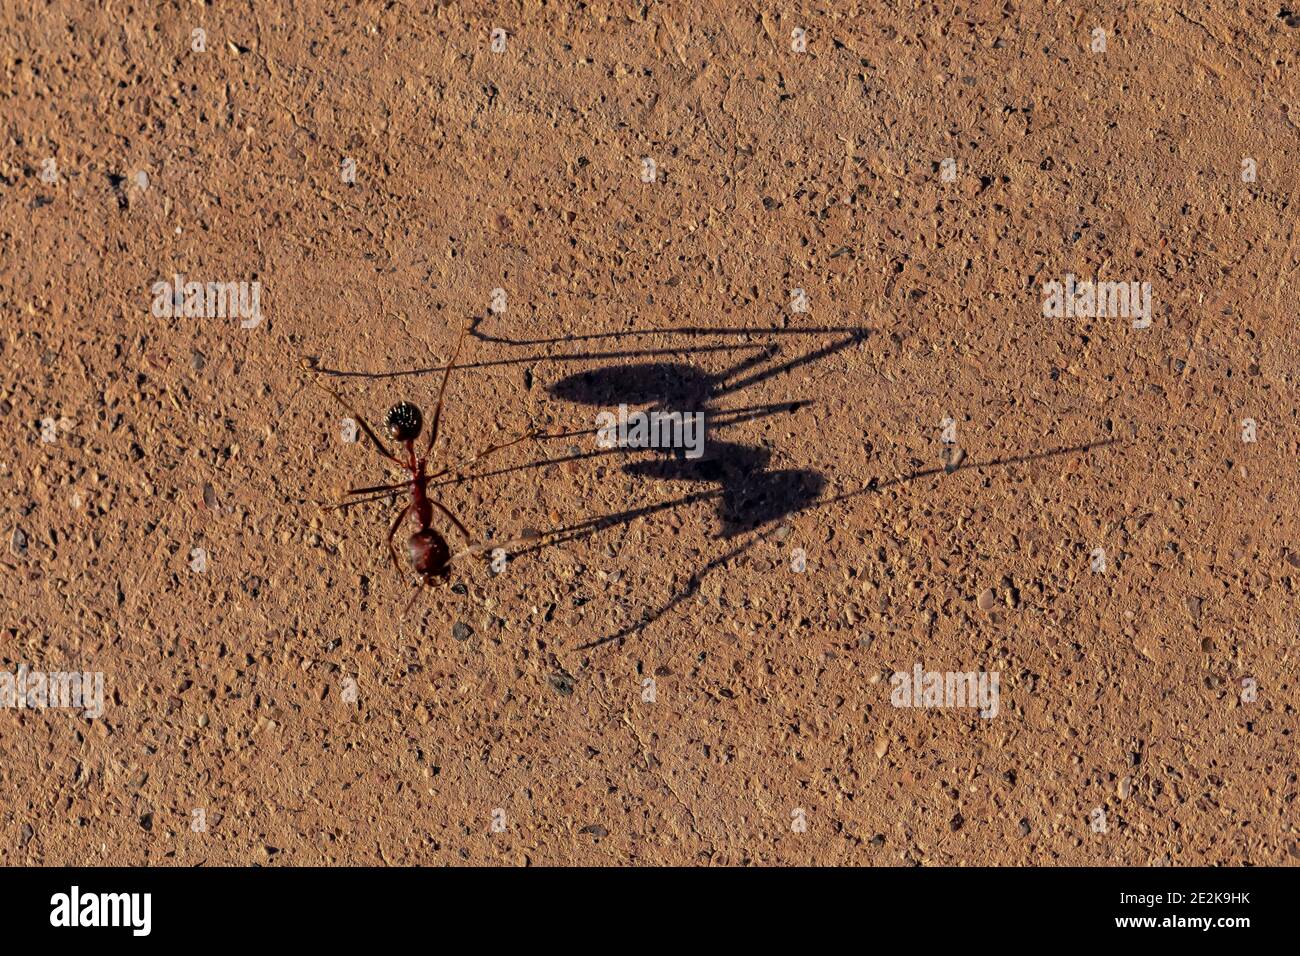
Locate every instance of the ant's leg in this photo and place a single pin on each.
(535, 435)
(392, 552)
(464, 532)
(374, 440)
(533, 538)
(419, 587)
(442, 389)
(529, 536)
(339, 506)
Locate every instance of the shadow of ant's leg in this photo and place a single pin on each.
(365, 491)
(365, 427)
(397, 523)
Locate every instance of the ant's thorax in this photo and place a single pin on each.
(417, 466)
(414, 464)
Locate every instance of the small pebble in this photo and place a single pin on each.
(987, 600)
(561, 683)
(461, 631)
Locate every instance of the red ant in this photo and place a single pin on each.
(426, 548)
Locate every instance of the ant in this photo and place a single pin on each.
(427, 550)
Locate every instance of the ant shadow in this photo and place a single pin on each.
(750, 498)
(750, 495)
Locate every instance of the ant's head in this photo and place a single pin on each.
(404, 422)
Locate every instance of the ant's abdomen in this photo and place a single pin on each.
(428, 552)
